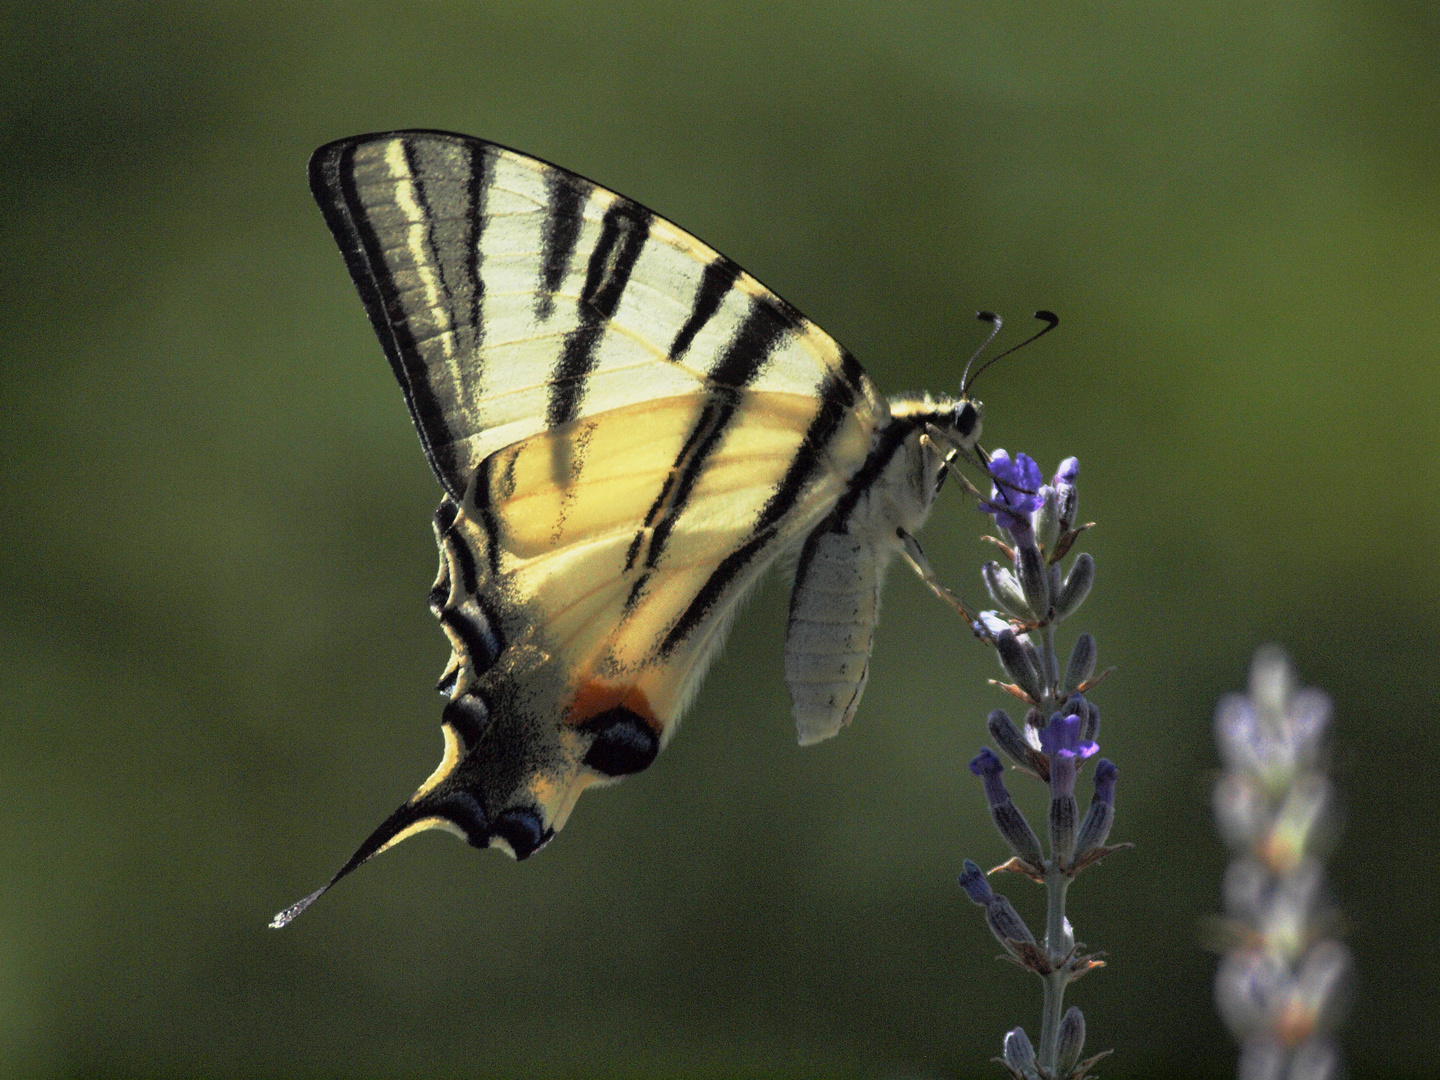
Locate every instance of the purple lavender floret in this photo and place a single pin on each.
(1063, 737)
(1068, 472)
(987, 766)
(1007, 505)
(1105, 773)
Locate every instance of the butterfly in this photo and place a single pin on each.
(628, 429)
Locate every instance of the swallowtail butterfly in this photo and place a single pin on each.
(628, 430)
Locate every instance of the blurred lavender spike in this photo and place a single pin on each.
(1282, 989)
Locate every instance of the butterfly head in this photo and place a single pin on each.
(965, 421)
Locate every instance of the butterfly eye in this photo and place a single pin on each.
(966, 417)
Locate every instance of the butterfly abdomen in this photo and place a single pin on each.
(835, 604)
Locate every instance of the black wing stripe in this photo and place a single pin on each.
(470, 623)
(488, 521)
(567, 194)
(836, 400)
(671, 478)
(750, 349)
(477, 187)
(422, 198)
(623, 232)
(745, 357)
(887, 444)
(716, 281)
(459, 550)
(332, 181)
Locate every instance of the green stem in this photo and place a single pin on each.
(1057, 948)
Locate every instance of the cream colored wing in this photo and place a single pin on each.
(608, 601)
(512, 296)
(629, 429)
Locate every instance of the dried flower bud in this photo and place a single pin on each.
(1261, 1058)
(1047, 519)
(1004, 922)
(1004, 589)
(1318, 1059)
(1296, 826)
(1071, 1041)
(1246, 887)
(1007, 736)
(1082, 662)
(1017, 663)
(1077, 585)
(1247, 986)
(1242, 811)
(1019, 1054)
(1067, 496)
(1034, 579)
(1063, 810)
(1292, 906)
(975, 884)
(1272, 681)
(1322, 986)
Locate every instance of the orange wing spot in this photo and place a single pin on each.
(594, 698)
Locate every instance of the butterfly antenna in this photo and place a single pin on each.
(995, 323)
(1049, 318)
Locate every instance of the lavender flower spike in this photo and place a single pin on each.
(1282, 988)
(1038, 526)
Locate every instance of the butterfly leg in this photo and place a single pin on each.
(910, 548)
(977, 456)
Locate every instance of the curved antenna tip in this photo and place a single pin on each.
(1049, 318)
(284, 918)
(989, 316)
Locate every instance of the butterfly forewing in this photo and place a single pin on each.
(512, 296)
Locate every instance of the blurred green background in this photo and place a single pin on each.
(215, 655)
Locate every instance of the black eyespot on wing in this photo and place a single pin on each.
(469, 716)
(522, 829)
(465, 811)
(624, 742)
